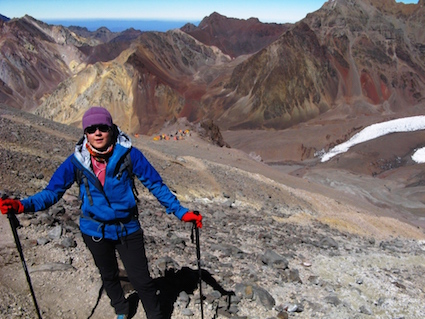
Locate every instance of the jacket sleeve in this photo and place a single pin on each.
(151, 179)
(62, 179)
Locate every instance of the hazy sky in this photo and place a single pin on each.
(183, 10)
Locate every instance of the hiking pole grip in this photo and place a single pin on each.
(14, 225)
(198, 248)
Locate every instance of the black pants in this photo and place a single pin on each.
(133, 256)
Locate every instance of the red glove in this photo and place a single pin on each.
(193, 217)
(13, 206)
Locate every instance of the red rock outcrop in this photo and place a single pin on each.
(235, 37)
(345, 52)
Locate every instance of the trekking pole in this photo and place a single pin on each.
(14, 224)
(198, 256)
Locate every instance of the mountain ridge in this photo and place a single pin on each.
(357, 52)
(233, 36)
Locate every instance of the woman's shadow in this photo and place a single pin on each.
(187, 280)
(170, 287)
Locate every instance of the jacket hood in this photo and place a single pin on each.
(83, 155)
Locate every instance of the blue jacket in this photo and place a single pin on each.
(114, 205)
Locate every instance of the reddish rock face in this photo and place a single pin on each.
(235, 37)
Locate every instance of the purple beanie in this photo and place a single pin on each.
(96, 115)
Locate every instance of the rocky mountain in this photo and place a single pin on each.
(348, 52)
(35, 59)
(361, 55)
(235, 37)
(104, 35)
(154, 73)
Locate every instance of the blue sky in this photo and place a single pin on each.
(279, 11)
(156, 15)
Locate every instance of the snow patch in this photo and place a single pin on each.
(407, 124)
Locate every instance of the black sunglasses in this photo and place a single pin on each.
(102, 127)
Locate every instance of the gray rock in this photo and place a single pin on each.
(184, 299)
(365, 310)
(57, 211)
(244, 291)
(187, 312)
(68, 242)
(42, 241)
(264, 297)
(56, 232)
(228, 250)
(293, 275)
(314, 279)
(333, 300)
(165, 263)
(43, 218)
(282, 315)
(271, 258)
(215, 294)
(327, 243)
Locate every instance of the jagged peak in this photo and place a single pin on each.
(103, 29)
(391, 6)
(215, 16)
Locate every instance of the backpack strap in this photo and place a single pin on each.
(81, 178)
(127, 165)
(86, 185)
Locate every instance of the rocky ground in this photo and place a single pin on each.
(272, 246)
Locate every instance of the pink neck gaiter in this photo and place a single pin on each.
(99, 169)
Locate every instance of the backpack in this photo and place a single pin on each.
(125, 165)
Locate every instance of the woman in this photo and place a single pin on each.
(109, 221)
